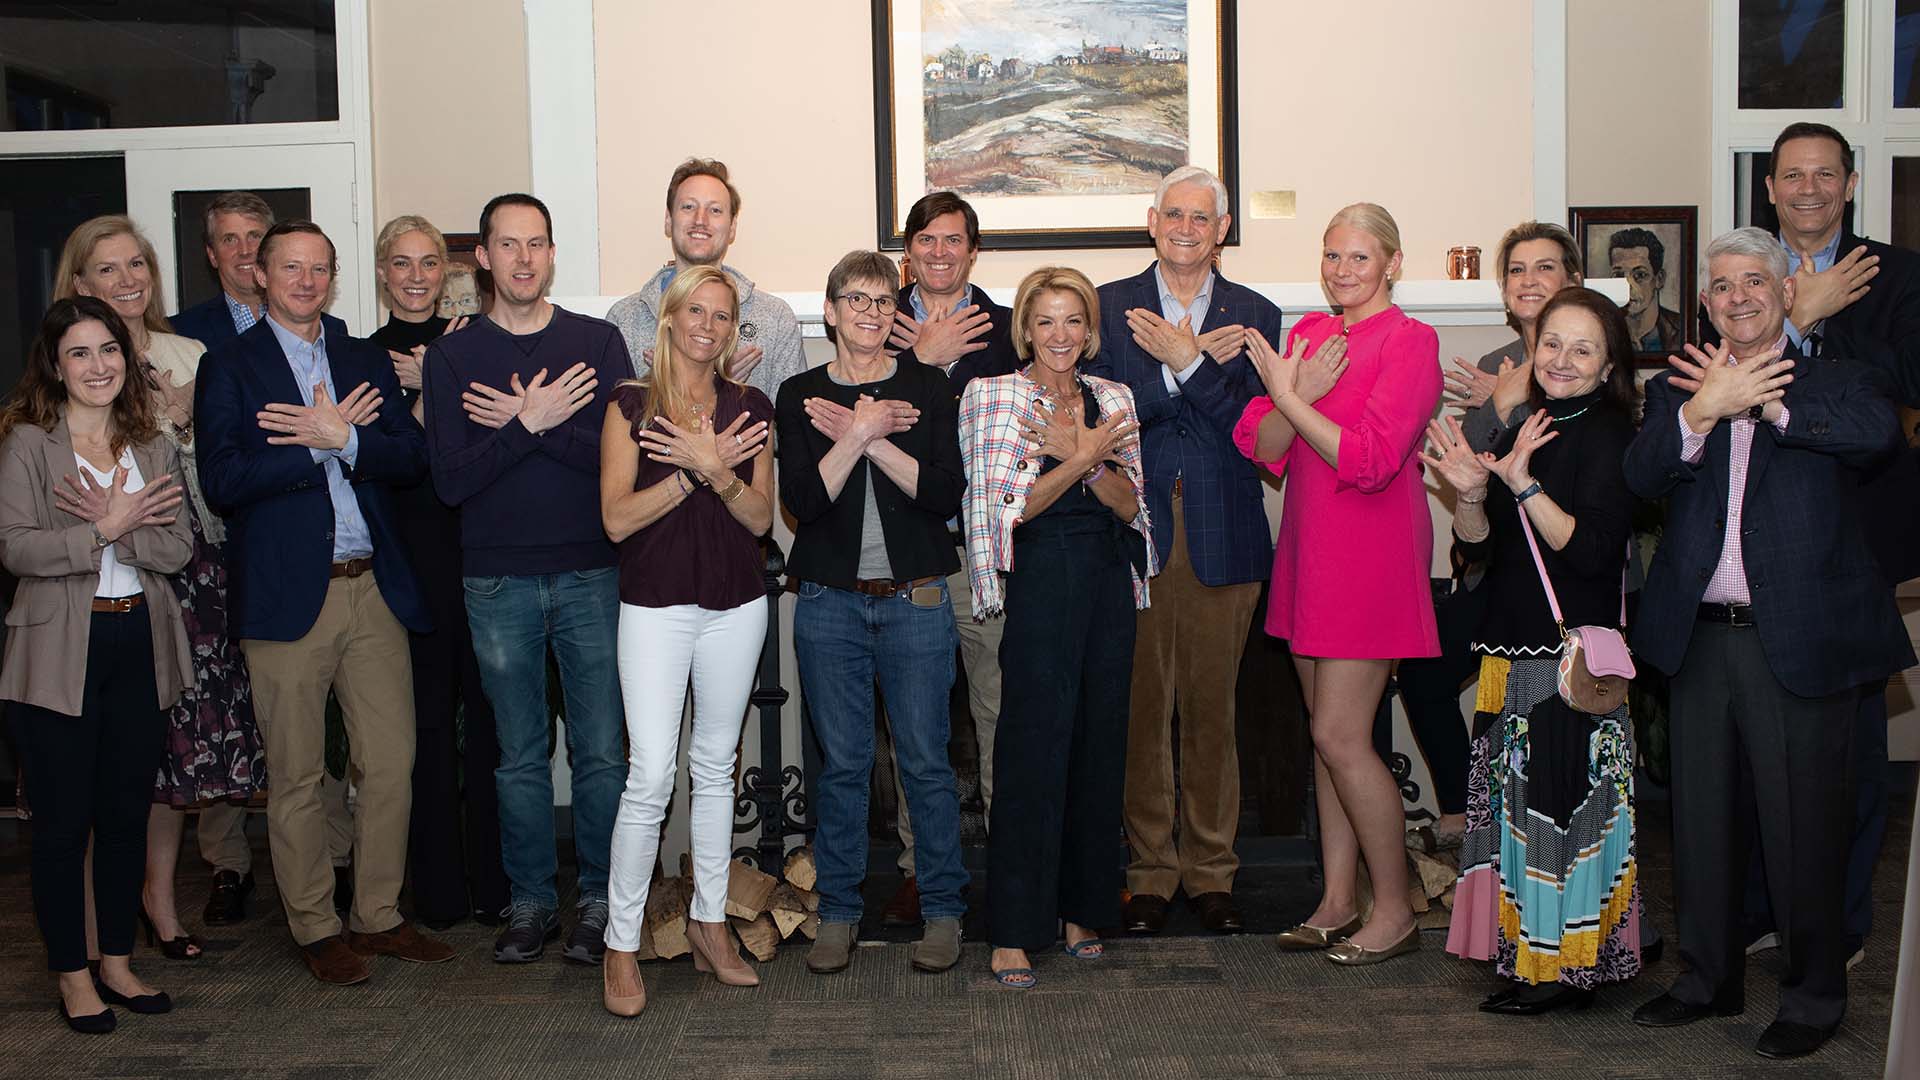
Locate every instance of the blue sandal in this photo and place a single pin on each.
(1016, 978)
(1089, 949)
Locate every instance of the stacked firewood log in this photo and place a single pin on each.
(762, 910)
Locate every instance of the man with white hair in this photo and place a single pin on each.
(1174, 334)
(1766, 608)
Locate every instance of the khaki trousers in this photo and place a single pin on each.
(980, 653)
(222, 830)
(357, 648)
(1187, 653)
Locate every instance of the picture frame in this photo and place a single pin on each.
(1659, 263)
(1062, 118)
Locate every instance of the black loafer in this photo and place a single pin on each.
(1533, 1001)
(1669, 1011)
(1783, 1039)
(1146, 914)
(1217, 912)
(228, 904)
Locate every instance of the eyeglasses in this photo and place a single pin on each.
(860, 301)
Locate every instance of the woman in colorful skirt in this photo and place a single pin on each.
(1549, 889)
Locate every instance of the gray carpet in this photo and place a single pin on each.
(1179, 1007)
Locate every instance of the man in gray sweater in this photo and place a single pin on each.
(703, 208)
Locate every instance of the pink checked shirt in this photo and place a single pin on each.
(1729, 582)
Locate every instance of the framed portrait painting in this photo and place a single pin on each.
(1055, 119)
(1652, 247)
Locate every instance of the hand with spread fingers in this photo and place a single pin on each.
(1172, 344)
(125, 511)
(546, 405)
(695, 448)
(1223, 343)
(174, 400)
(745, 359)
(739, 441)
(1467, 386)
(1819, 294)
(1321, 371)
(406, 365)
(489, 407)
(322, 425)
(1279, 374)
(1449, 456)
(1513, 468)
(941, 339)
(1723, 389)
(1511, 386)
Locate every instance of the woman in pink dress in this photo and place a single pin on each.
(1343, 416)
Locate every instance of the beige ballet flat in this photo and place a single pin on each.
(1351, 955)
(1309, 938)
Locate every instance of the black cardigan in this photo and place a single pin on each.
(1581, 471)
(826, 538)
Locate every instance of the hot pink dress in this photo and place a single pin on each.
(1351, 566)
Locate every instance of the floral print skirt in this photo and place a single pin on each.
(214, 752)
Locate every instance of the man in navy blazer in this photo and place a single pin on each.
(321, 593)
(1768, 610)
(234, 223)
(1175, 335)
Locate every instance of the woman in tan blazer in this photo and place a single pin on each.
(95, 653)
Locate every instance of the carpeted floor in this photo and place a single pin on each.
(1180, 1006)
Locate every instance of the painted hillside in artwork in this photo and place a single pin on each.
(1054, 97)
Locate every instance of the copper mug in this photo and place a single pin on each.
(1463, 263)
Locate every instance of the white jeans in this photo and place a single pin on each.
(658, 648)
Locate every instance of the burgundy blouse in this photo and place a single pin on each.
(697, 553)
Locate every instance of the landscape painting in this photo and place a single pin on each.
(1056, 119)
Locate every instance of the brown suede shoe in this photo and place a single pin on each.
(403, 942)
(332, 962)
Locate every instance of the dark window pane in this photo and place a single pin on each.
(1906, 54)
(194, 277)
(41, 200)
(1751, 206)
(1791, 53)
(1906, 202)
(167, 63)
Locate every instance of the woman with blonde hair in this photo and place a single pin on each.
(1341, 420)
(686, 491)
(1058, 538)
(216, 759)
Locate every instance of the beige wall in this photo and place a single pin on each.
(1410, 105)
(449, 107)
(1640, 105)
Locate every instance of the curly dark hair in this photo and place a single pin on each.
(40, 398)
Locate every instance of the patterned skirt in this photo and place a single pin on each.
(214, 752)
(1549, 888)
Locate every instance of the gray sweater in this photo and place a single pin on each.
(1482, 423)
(765, 320)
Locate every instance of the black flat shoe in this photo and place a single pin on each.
(99, 1023)
(144, 1004)
(1498, 998)
(1788, 1040)
(1536, 1001)
(1669, 1011)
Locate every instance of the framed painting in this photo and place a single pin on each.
(1055, 119)
(1652, 247)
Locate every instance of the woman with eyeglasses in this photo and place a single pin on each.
(870, 469)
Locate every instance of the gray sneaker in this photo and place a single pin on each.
(832, 947)
(529, 928)
(939, 947)
(588, 942)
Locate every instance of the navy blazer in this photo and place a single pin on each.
(210, 323)
(1826, 618)
(1190, 434)
(275, 498)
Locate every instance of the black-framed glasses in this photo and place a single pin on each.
(860, 301)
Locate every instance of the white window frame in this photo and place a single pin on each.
(354, 127)
(1878, 131)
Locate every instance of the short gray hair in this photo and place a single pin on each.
(861, 266)
(1749, 241)
(1193, 174)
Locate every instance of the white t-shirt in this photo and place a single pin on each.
(116, 579)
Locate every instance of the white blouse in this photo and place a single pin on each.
(116, 579)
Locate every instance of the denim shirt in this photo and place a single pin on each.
(351, 538)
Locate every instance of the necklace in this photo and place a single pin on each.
(1570, 415)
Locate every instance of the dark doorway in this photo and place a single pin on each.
(194, 278)
(41, 201)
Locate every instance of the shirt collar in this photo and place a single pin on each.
(235, 307)
(1822, 258)
(293, 344)
(1167, 299)
(920, 306)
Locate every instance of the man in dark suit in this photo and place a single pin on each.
(944, 321)
(1765, 606)
(1854, 300)
(235, 221)
(1174, 334)
(321, 592)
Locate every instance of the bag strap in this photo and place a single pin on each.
(1546, 582)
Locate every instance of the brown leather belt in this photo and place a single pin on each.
(888, 586)
(118, 605)
(350, 568)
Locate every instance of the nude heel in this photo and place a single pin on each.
(621, 1005)
(739, 973)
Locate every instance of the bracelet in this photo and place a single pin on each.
(1097, 472)
(733, 491)
(1526, 493)
(685, 486)
(1464, 501)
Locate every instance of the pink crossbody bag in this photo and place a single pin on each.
(1595, 662)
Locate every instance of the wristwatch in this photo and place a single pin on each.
(99, 541)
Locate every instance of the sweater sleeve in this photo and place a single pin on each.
(801, 489)
(1376, 447)
(1600, 502)
(462, 469)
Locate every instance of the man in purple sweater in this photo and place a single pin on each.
(514, 408)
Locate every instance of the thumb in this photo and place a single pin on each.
(1806, 263)
(320, 393)
(1186, 323)
(1506, 366)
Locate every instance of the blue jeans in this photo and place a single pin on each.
(514, 620)
(844, 641)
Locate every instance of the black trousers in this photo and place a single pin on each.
(1059, 754)
(92, 774)
(1430, 688)
(453, 859)
(1744, 745)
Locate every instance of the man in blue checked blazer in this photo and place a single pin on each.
(1176, 335)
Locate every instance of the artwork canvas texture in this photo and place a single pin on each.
(1061, 97)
